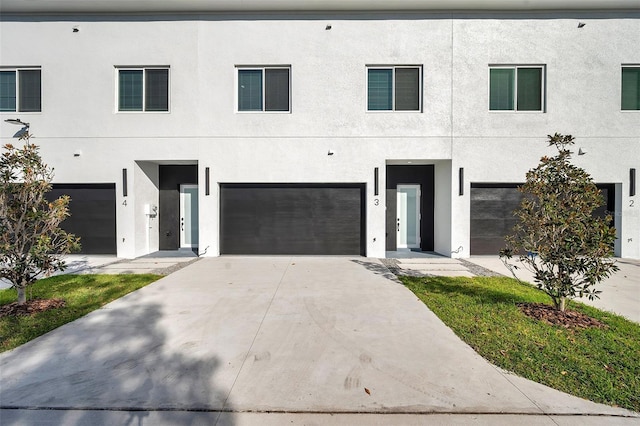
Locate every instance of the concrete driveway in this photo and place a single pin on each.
(287, 339)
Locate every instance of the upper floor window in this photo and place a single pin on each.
(264, 89)
(516, 88)
(143, 89)
(394, 88)
(20, 90)
(631, 88)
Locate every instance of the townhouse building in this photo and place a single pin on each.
(309, 127)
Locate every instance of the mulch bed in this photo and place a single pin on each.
(566, 319)
(31, 307)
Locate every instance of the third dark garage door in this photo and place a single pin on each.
(492, 219)
(307, 219)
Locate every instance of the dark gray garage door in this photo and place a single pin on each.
(93, 215)
(292, 219)
(492, 219)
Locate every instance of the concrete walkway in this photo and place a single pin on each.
(247, 340)
(161, 263)
(620, 292)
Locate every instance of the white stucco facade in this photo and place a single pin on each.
(454, 128)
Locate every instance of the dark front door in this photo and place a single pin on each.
(171, 177)
(310, 219)
(399, 180)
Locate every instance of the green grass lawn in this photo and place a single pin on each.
(602, 365)
(82, 294)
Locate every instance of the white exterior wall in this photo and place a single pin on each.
(328, 109)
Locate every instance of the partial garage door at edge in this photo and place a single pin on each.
(93, 215)
(301, 219)
(492, 219)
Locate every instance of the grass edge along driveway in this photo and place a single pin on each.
(599, 364)
(81, 293)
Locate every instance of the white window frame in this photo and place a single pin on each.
(393, 88)
(543, 91)
(17, 72)
(261, 68)
(119, 68)
(621, 67)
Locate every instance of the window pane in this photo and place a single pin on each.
(529, 89)
(29, 91)
(249, 90)
(501, 82)
(157, 90)
(7, 90)
(130, 90)
(276, 89)
(631, 88)
(379, 90)
(407, 89)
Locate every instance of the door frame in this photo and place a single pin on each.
(397, 174)
(400, 224)
(183, 244)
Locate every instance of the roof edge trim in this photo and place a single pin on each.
(198, 6)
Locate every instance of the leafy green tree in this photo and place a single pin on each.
(558, 238)
(31, 241)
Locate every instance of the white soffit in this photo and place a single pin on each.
(190, 6)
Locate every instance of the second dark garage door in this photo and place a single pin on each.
(292, 219)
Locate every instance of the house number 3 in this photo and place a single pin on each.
(376, 202)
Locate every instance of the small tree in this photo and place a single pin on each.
(31, 242)
(557, 237)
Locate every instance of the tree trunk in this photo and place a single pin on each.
(22, 296)
(563, 304)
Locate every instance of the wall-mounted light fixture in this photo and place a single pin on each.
(328, 27)
(375, 181)
(632, 182)
(461, 181)
(77, 153)
(124, 182)
(330, 152)
(206, 181)
(581, 24)
(22, 132)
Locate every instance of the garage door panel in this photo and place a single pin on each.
(492, 219)
(497, 194)
(492, 227)
(490, 210)
(93, 215)
(291, 219)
